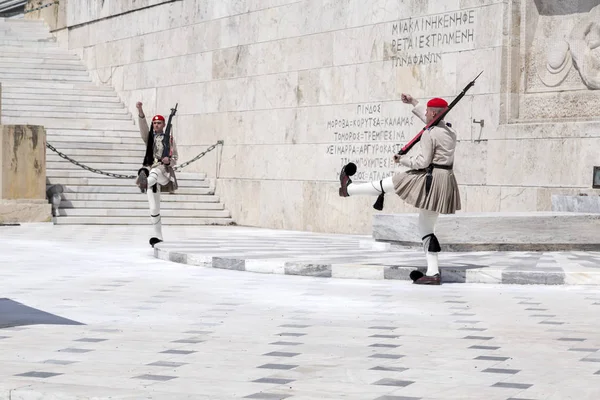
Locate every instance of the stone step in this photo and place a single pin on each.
(140, 204)
(107, 124)
(56, 91)
(100, 154)
(95, 133)
(25, 69)
(116, 167)
(53, 138)
(132, 160)
(141, 212)
(18, 55)
(43, 76)
(73, 110)
(102, 180)
(59, 144)
(28, 44)
(82, 97)
(36, 63)
(37, 113)
(138, 196)
(133, 189)
(58, 86)
(140, 221)
(182, 177)
(109, 103)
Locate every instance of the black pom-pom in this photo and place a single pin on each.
(379, 203)
(414, 275)
(350, 169)
(154, 241)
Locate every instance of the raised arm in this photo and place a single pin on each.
(142, 123)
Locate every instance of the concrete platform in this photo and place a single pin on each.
(360, 257)
(507, 231)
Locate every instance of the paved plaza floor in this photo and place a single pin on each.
(116, 322)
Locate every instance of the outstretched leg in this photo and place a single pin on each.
(431, 247)
(374, 188)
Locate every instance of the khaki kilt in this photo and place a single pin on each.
(443, 196)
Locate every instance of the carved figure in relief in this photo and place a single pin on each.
(575, 50)
(429, 184)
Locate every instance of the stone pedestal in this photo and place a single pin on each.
(502, 231)
(580, 204)
(23, 174)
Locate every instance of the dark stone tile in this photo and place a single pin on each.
(198, 332)
(277, 381)
(455, 301)
(390, 356)
(277, 366)
(38, 374)
(484, 347)
(182, 352)
(509, 385)
(149, 377)
(168, 364)
(390, 328)
(108, 330)
(584, 349)
(391, 346)
(281, 354)
(466, 321)
(267, 396)
(59, 362)
(385, 336)
(597, 372)
(590, 359)
(387, 397)
(394, 369)
(14, 314)
(491, 358)
(536, 309)
(286, 343)
(91, 340)
(564, 339)
(463, 314)
(551, 323)
(501, 371)
(473, 329)
(479, 337)
(294, 334)
(392, 382)
(190, 340)
(293, 326)
(74, 350)
(531, 303)
(4, 337)
(542, 315)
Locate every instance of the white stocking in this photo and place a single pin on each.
(371, 188)
(427, 220)
(154, 202)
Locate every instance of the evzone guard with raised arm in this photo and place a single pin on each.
(429, 184)
(157, 174)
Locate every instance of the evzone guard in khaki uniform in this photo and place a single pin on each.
(157, 173)
(429, 184)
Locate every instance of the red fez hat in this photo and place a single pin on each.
(437, 103)
(158, 118)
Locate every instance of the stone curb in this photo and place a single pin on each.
(379, 272)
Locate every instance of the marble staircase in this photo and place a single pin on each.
(43, 84)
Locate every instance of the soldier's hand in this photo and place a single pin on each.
(138, 105)
(407, 98)
(166, 160)
(396, 158)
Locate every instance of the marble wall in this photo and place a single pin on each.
(298, 88)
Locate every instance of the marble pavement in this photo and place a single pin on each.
(122, 324)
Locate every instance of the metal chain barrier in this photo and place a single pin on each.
(120, 176)
(39, 8)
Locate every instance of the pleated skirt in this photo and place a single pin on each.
(443, 196)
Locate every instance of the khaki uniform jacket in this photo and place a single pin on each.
(166, 170)
(437, 144)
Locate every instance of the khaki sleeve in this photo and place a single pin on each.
(175, 153)
(423, 159)
(144, 128)
(419, 111)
